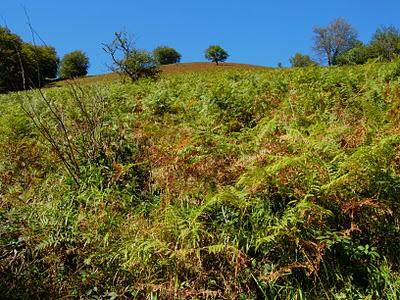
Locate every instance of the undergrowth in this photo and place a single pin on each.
(261, 184)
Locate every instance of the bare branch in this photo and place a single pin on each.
(127, 60)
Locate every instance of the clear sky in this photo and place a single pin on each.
(253, 31)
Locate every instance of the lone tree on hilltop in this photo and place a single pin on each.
(74, 64)
(331, 41)
(216, 54)
(165, 55)
(301, 60)
(129, 61)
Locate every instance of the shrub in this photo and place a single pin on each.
(354, 56)
(301, 60)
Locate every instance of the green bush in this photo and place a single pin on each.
(355, 56)
(300, 60)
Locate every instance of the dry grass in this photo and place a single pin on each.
(166, 69)
(204, 66)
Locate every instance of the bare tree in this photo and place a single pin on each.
(331, 41)
(128, 60)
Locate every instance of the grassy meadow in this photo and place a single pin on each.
(222, 184)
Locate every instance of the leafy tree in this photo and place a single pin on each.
(355, 56)
(48, 61)
(74, 64)
(41, 64)
(165, 55)
(301, 60)
(216, 54)
(12, 76)
(23, 65)
(129, 61)
(385, 43)
(333, 40)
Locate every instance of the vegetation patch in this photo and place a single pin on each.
(236, 184)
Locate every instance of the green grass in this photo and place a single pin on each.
(237, 184)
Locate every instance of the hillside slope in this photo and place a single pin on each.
(168, 69)
(239, 184)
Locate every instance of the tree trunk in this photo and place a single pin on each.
(329, 59)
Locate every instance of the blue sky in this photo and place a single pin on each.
(256, 32)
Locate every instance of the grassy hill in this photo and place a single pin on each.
(238, 184)
(165, 70)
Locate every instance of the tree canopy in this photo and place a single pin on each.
(74, 64)
(333, 40)
(23, 65)
(11, 64)
(385, 43)
(166, 55)
(338, 44)
(216, 54)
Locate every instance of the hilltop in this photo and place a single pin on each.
(170, 69)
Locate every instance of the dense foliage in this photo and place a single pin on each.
(357, 55)
(74, 64)
(385, 43)
(166, 55)
(23, 65)
(337, 44)
(277, 184)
